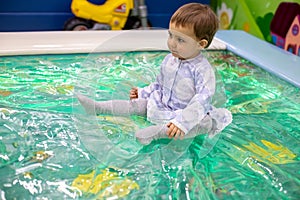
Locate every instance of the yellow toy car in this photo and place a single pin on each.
(112, 15)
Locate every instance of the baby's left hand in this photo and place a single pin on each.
(174, 131)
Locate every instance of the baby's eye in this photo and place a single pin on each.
(170, 34)
(181, 40)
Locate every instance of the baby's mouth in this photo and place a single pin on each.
(174, 52)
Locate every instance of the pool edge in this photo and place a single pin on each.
(259, 52)
(263, 54)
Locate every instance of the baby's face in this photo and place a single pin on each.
(183, 43)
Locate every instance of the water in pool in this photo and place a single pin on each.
(51, 149)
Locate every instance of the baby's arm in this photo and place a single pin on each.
(174, 131)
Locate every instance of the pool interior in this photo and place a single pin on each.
(49, 147)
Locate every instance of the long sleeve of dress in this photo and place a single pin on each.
(145, 92)
(157, 111)
(200, 104)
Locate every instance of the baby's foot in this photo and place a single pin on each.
(87, 103)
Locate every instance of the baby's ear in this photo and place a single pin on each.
(203, 43)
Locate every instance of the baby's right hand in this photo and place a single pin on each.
(133, 94)
(174, 131)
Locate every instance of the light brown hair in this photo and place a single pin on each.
(200, 18)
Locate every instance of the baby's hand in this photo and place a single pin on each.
(133, 94)
(174, 131)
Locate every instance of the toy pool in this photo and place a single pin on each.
(51, 149)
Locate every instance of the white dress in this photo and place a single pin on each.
(182, 94)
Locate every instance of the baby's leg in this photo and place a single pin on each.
(146, 135)
(221, 117)
(114, 107)
(212, 124)
(205, 126)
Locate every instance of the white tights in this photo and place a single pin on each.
(139, 107)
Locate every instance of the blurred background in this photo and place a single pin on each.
(264, 19)
(40, 15)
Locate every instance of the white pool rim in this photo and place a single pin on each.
(271, 58)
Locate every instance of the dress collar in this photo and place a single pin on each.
(198, 57)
